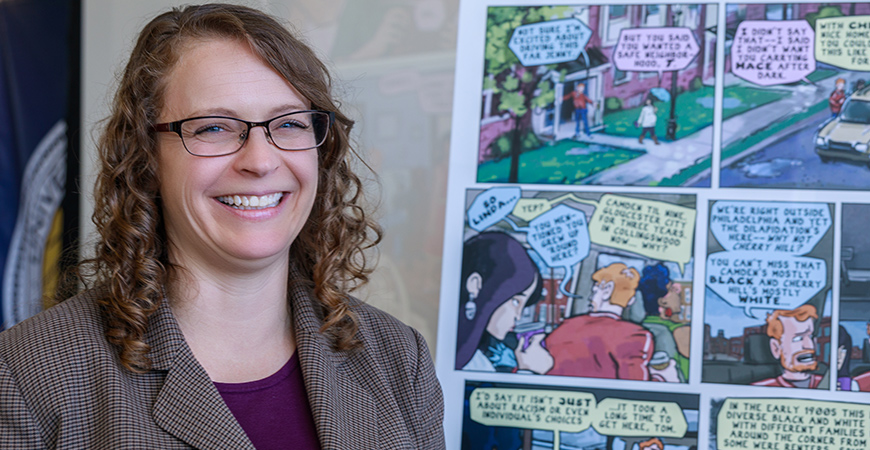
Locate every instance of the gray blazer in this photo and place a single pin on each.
(61, 386)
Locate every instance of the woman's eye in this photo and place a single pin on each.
(292, 124)
(211, 129)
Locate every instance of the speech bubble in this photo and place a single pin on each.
(491, 206)
(655, 49)
(754, 280)
(550, 42)
(573, 412)
(780, 227)
(659, 230)
(844, 42)
(533, 409)
(621, 417)
(561, 238)
(785, 423)
(769, 52)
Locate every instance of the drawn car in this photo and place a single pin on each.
(847, 136)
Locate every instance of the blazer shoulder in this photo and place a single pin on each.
(62, 331)
(382, 329)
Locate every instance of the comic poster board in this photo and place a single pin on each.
(655, 227)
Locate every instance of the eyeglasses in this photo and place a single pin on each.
(219, 136)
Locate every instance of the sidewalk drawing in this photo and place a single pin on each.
(796, 108)
(578, 284)
(505, 416)
(768, 294)
(594, 94)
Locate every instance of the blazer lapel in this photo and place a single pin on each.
(188, 405)
(343, 408)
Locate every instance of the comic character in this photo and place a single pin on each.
(581, 102)
(601, 343)
(844, 359)
(663, 304)
(792, 342)
(499, 279)
(652, 444)
(647, 121)
(838, 97)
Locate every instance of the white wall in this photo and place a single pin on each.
(396, 60)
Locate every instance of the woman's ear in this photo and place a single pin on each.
(473, 284)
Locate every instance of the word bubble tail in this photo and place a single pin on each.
(586, 61)
(515, 227)
(807, 81)
(564, 284)
(661, 74)
(748, 312)
(682, 267)
(556, 439)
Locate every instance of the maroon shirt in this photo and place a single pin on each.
(274, 411)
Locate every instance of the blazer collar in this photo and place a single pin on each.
(188, 405)
(339, 384)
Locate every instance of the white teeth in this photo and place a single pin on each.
(246, 202)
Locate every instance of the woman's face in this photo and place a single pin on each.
(505, 317)
(223, 77)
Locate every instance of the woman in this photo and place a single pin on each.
(231, 230)
(647, 121)
(499, 280)
(844, 360)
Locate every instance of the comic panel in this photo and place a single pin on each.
(853, 348)
(796, 107)
(768, 294)
(787, 424)
(577, 284)
(598, 94)
(509, 416)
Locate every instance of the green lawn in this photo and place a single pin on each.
(694, 110)
(551, 165)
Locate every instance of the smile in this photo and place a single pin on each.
(246, 202)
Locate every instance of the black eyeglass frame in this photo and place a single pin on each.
(175, 127)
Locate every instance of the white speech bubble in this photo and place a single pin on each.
(769, 52)
(561, 237)
(655, 49)
(753, 280)
(550, 42)
(491, 206)
(779, 227)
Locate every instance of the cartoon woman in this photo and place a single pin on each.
(499, 280)
(844, 358)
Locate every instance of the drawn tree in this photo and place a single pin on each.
(521, 89)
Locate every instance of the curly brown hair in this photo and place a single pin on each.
(131, 261)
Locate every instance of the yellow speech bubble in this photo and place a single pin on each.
(529, 208)
(766, 423)
(533, 409)
(656, 229)
(844, 42)
(621, 417)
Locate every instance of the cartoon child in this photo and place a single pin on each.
(602, 344)
(581, 102)
(793, 343)
(838, 97)
(663, 304)
(647, 121)
(499, 280)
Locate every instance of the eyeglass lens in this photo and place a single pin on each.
(212, 136)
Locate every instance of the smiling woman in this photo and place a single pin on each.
(217, 313)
